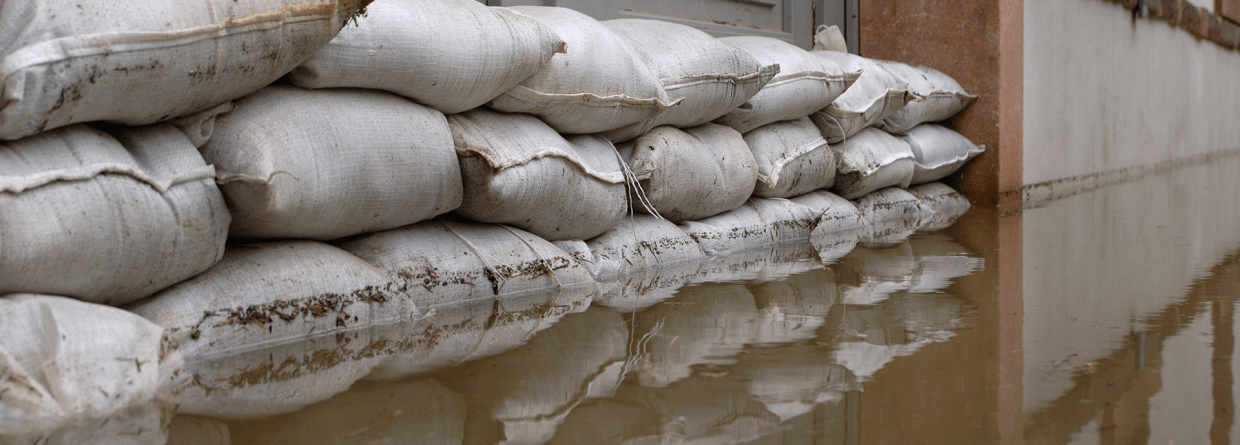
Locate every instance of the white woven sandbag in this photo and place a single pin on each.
(834, 212)
(872, 160)
(693, 173)
(757, 223)
(639, 242)
(325, 164)
(138, 62)
(519, 171)
(106, 218)
(793, 159)
(773, 261)
(874, 96)
(450, 55)
(939, 151)
(596, 84)
(445, 263)
(712, 77)
(65, 361)
(267, 293)
(892, 215)
(948, 205)
(805, 83)
(938, 97)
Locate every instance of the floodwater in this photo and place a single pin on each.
(1103, 317)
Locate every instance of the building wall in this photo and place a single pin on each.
(1105, 93)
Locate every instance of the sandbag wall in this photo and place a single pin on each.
(310, 178)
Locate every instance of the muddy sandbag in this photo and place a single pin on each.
(793, 159)
(274, 292)
(947, 204)
(703, 325)
(870, 161)
(597, 84)
(757, 223)
(937, 97)
(939, 151)
(444, 263)
(296, 163)
(638, 242)
(277, 379)
(138, 62)
(805, 83)
(874, 96)
(713, 77)
(140, 425)
(522, 396)
(450, 55)
(64, 362)
(453, 335)
(690, 174)
(834, 212)
(892, 215)
(106, 217)
(519, 171)
(414, 412)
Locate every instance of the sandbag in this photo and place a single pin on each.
(939, 152)
(805, 83)
(295, 163)
(712, 77)
(450, 55)
(639, 289)
(834, 212)
(691, 174)
(267, 293)
(138, 62)
(938, 97)
(793, 159)
(639, 242)
(596, 84)
(445, 263)
(870, 161)
(759, 264)
(519, 171)
(106, 218)
(64, 361)
(874, 96)
(947, 204)
(891, 215)
(757, 223)
(415, 412)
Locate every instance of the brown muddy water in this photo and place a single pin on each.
(1104, 317)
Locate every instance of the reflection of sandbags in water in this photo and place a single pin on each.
(776, 327)
(639, 242)
(443, 262)
(791, 380)
(839, 225)
(523, 395)
(610, 422)
(865, 338)
(415, 412)
(643, 288)
(63, 360)
(892, 214)
(947, 204)
(812, 292)
(277, 379)
(766, 263)
(267, 293)
(869, 275)
(704, 410)
(939, 261)
(704, 324)
(194, 430)
(455, 334)
(929, 317)
(757, 223)
(140, 425)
